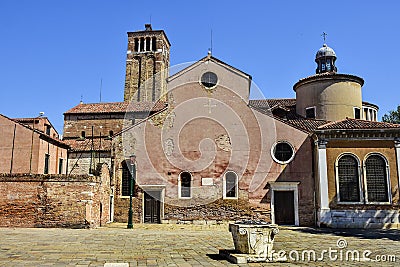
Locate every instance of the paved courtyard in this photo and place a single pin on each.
(188, 245)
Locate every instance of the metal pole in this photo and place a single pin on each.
(132, 178)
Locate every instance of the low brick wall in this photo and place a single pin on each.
(54, 200)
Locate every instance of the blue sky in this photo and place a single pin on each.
(53, 52)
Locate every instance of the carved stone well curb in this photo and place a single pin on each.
(253, 242)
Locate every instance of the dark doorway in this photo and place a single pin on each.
(284, 207)
(152, 207)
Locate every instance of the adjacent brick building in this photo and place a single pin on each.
(31, 145)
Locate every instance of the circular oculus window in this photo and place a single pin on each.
(282, 152)
(209, 79)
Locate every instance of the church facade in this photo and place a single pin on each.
(199, 150)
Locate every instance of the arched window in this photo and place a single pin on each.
(185, 184)
(348, 179)
(154, 44)
(376, 179)
(147, 43)
(230, 185)
(126, 178)
(136, 45)
(141, 44)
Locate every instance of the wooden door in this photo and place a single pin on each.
(152, 207)
(284, 207)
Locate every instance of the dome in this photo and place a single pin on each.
(325, 51)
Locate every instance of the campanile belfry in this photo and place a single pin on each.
(147, 63)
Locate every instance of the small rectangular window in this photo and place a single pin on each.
(48, 128)
(357, 113)
(60, 166)
(46, 163)
(310, 113)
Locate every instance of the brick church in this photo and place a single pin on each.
(204, 152)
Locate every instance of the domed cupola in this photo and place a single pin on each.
(325, 58)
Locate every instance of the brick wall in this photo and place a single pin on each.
(54, 200)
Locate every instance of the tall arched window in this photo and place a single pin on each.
(136, 45)
(185, 184)
(348, 179)
(154, 44)
(376, 179)
(126, 178)
(230, 185)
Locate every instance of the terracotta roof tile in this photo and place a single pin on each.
(287, 105)
(357, 124)
(117, 107)
(309, 125)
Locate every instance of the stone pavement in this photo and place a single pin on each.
(187, 245)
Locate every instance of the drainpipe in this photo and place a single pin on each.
(12, 150)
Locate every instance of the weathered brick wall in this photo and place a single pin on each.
(80, 162)
(223, 210)
(121, 205)
(54, 200)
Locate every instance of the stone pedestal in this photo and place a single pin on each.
(253, 243)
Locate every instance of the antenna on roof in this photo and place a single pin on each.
(81, 102)
(150, 18)
(101, 86)
(211, 44)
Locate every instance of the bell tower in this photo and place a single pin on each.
(147, 63)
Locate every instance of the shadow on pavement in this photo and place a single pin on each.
(391, 234)
(216, 257)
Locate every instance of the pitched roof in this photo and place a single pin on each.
(204, 59)
(31, 120)
(308, 125)
(271, 103)
(117, 107)
(287, 105)
(80, 145)
(351, 124)
(43, 136)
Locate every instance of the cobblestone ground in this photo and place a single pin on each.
(186, 245)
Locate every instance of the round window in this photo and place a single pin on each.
(209, 79)
(282, 152)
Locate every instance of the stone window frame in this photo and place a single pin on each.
(180, 185)
(388, 184)
(208, 88)
(224, 191)
(285, 186)
(273, 152)
(360, 182)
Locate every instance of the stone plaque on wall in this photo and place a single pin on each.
(207, 181)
